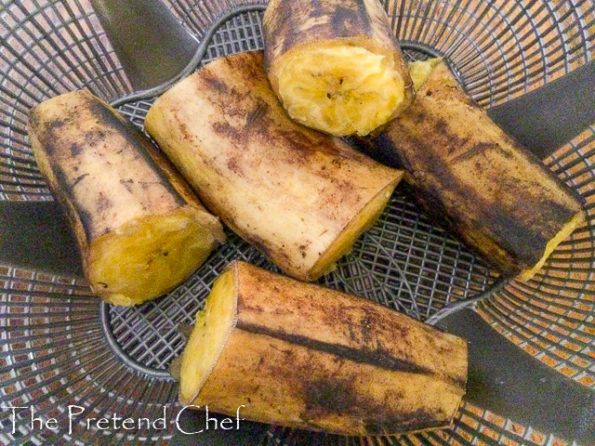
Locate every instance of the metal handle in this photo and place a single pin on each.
(36, 235)
(508, 381)
(550, 116)
(150, 42)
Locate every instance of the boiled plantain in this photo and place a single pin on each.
(139, 227)
(335, 64)
(305, 356)
(299, 196)
(491, 191)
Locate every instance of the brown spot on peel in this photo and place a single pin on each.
(376, 358)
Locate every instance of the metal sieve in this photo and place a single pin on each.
(60, 346)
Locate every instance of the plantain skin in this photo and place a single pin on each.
(309, 357)
(289, 191)
(492, 192)
(292, 26)
(107, 175)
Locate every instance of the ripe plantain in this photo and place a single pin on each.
(305, 356)
(140, 229)
(299, 196)
(335, 64)
(493, 192)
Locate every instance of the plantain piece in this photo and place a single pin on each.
(305, 356)
(139, 227)
(493, 192)
(335, 64)
(299, 196)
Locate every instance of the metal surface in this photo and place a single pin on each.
(552, 115)
(509, 381)
(53, 347)
(40, 230)
(150, 45)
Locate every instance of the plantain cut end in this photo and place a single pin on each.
(420, 71)
(354, 229)
(339, 88)
(149, 256)
(562, 235)
(213, 326)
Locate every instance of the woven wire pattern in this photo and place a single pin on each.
(500, 49)
(48, 48)
(53, 354)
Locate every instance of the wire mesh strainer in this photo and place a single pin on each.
(60, 346)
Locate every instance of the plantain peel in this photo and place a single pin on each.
(335, 65)
(304, 356)
(495, 194)
(140, 229)
(299, 196)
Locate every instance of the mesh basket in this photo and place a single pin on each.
(60, 346)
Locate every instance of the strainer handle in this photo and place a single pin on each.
(36, 235)
(506, 380)
(151, 43)
(548, 117)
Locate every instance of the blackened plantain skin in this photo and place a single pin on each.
(305, 356)
(492, 191)
(109, 177)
